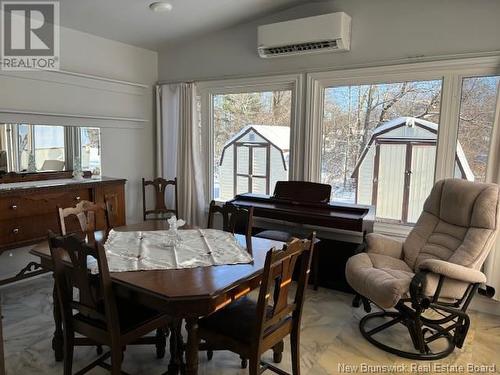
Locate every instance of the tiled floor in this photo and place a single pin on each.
(330, 340)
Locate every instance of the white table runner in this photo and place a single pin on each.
(154, 250)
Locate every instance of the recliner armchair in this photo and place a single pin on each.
(436, 268)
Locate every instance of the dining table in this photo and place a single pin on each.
(185, 294)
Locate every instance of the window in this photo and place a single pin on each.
(251, 141)
(43, 144)
(475, 125)
(379, 145)
(90, 150)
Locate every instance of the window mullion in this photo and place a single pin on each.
(448, 127)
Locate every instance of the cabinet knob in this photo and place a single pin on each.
(15, 230)
(14, 207)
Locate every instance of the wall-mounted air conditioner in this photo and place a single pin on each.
(325, 33)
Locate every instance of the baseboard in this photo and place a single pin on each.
(485, 305)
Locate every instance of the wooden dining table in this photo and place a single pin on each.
(185, 294)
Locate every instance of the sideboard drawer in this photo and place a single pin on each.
(38, 204)
(23, 229)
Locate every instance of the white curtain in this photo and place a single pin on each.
(492, 264)
(179, 148)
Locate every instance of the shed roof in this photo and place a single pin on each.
(276, 135)
(385, 127)
(279, 136)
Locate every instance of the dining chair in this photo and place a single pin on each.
(251, 328)
(95, 313)
(85, 213)
(234, 220)
(160, 210)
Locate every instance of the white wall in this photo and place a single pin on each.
(127, 146)
(382, 30)
(127, 153)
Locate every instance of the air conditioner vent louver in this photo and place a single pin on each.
(298, 48)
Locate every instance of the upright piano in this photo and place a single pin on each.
(298, 207)
(309, 204)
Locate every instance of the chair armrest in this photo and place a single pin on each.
(385, 245)
(453, 271)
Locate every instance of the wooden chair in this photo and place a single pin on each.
(161, 210)
(234, 220)
(251, 328)
(96, 314)
(85, 213)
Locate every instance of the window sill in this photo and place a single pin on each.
(393, 230)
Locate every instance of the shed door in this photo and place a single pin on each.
(421, 179)
(390, 162)
(403, 179)
(252, 168)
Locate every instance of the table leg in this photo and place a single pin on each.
(175, 347)
(57, 340)
(192, 346)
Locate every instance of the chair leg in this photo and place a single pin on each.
(278, 352)
(116, 360)
(69, 338)
(254, 366)
(295, 349)
(161, 343)
(244, 362)
(210, 354)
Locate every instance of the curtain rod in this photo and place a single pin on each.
(407, 60)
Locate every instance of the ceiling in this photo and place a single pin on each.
(132, 22)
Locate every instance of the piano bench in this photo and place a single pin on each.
(276, 235)
(282, 236)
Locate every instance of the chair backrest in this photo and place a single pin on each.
(86, 213)
(234, 220)
(160, 209)
(112, 206)
(458, 224)
(95, 300)
(278, 271)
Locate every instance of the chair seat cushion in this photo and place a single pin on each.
(131, 315)
(237, 320)
(382, 279)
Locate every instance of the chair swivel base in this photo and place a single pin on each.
(425, 354)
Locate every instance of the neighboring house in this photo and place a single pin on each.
(254, 159)
(393, 170)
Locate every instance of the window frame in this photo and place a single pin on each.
(208, 89)
(451, 72)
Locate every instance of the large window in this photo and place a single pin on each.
(379, 145)
(475, 126)
(251, 142)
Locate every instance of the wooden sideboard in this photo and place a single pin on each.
(29, 209)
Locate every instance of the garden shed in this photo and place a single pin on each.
(254, 159)
(395, 171)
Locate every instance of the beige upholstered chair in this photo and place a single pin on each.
(437, 268)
